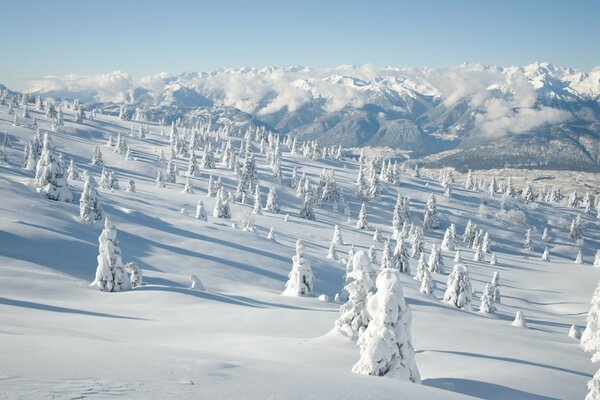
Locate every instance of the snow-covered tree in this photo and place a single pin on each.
(222, 208)
(332, 253)
(171, 174)
(400, 258)
(72, 171)
(201, 211)
(377, 235)
(574, 332)
(272, 202)
(386, 256)
(597, 259)
(487, 300)
(271, 235)
(160, 179)
(519, 321)
(135, 274)
(257, 203)
(436, 262)
(300, 279)
(469, 234)
(576, 230)
(421, 267)
(50, 176)
(90, 209)
(110, 273)
(306, 210)
(192, 168)
(457, 256)
(337, 236)
(459, 288)
(495, 286)
(546, 254)
(427, 283)
(386, 345)
(131, 186)
(361, 222)
(579, 257)
(360, 280)
(97, 157)
(493, 260)
(527, 194)
(447, 242)
(189, 186)
(478, 254)
(430, 217)
(528, 243)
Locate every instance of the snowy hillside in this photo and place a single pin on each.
(238, 337)
(536, 116)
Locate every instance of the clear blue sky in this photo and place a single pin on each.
(58, 37)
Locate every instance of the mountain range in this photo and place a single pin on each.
(470, 116)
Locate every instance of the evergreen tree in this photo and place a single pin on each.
(528, 244)
(273, 202)
(361, 222)
(430, 217)
(97, 157)
(519, 321)
(493, 260)
(459, 289)
(579, 258)
(192, 168)
(436, 262)
(487, 301)
(421, 267)
(135, 274)
(171, 175)
(257, 204)
(90, 209)
(576, 230)
(300, 279)
(400, 258)
(72, 171)
(110, 273)
(306, 210)
(337, 236)
(160, 179)
(457, 256)
(386, 256)
(201, 211)
(546, 254)
(377, 235)
(332, 254)
(50, 176)
(222, 208)
(189, 186)
(427, 283)
(386, 345)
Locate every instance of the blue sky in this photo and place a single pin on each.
(146, 37)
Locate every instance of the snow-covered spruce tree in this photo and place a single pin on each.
(135, 274)
(469, 234)
(579, 257)
(377, 235)
(97, 157)
(300, 279)
(457, 256)
(90, 209)
(189, 186)
(50, 176)
(597, 259)
(459, 288)
(478, 254)
(72, 171)
(447, 242)
(273, 202)
(436, 262)
(493, 260)
(386, 345)
(397, 221)
(576, 230)
(487, 300)
(271, 235)
(222, 208)
(257, 204)
(528, 243)
(427, 283)
(374, 187)
(519, 321)
(386, 256)
(373, 255)
(110, 273)
(360, 280)
(546, 254)
(430, 217)
(306, 210)
(160, 179)
(421, 267)
(332, 253)
(337, 236)
(495, 287)
(574, 332)
(400, 258)
(171, 174)
(416, 241)
(192, 168)
(201, 211)
(486, 243)
(361, 222)
(131, 186)
(527, 194)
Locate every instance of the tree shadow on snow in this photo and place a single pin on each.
(483, 390)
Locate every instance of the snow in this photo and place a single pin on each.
(239, 338)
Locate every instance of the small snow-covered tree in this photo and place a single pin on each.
(90, 209)
(576, 230)
(487, 301)
(528, 243)
(493, 260)
(131, 186)
(597, 259)
(135, 274)
(306, 210)
(377, 235)
(360, 279)
(257, 204)
(386, 256)
(430, 217)
(478, 254)
(545, 234)
(421, 267)
(332, 254)
(201, 211)
(192, 168)
(361, 222)
(546, 254)
(271, 235)
(110, 273)
(495, 285)
(447, 242)
(272, 202)
(72, 171)
(457, 256)
(222, 208)
(579, 257)
(400, 258)
(469, 234)
(459, 288)
(189, 186)
(50, 176)
(171, 175)
(97, 157)
(386, 345)
(300, 279)
(519, 321)
(337, 236)
(160, 179)
(427, 283)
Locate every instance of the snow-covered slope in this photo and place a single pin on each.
(421, 110)
(240, 338)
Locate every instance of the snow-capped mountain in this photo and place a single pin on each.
(545, 115)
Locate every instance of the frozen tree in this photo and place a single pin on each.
(447, 242)
(196, 283)
(300, 279)
(574, 332)
(332, 254)
(189, 186)
(386, 345)
(373, 255)
(527, 194)
(493, 188)
(171, 174)
(337, 236)
(478, 254)
(430, 217)
(192, 168)
(457, 256)
(427, 283)
(160, 179)
(400, 258)
(487, 300)
(545, 234)
(459, 288)
(386, 256)
(397, 217)
(576, 230)
(421, 267)
(416, 240)
(579, 258)
(519, 321)
(597, 259)
(360, 280)
(271, 235)
(273, 202)
(222, 208)
(72, 171)
(50, 176)
(306, 210)
(528, 243)
(257, 205)
(110, 273)
(436, 262)
(131, 186)
(361, 222)
(97, 157)
(486, 243)
(546, 254)
(374, 187)
(493, 260)
(201, 211)
(135, 274)
(377, 235)
(469, 234)
(90, 209)
(495, 286)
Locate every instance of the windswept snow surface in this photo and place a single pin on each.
(240, 339)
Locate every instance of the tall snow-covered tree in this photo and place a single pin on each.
(487, 301)
(430, 217)
(361, 222)
(306, 209)
(400, 258)
(459, 288)
(201, 211)
(300, 279)
(360, 280)
(576, 230)
(50, 176)
(222, 208)
(189, 186)
(72, 171)
(337, 236)
(421, 267)
(546, 254)
(257, 203)
(528, 243)
(386, 345)
(273, 202)
(97, 157)
(110, 273)
(332, 253)
(436, 262)
(90, 209)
